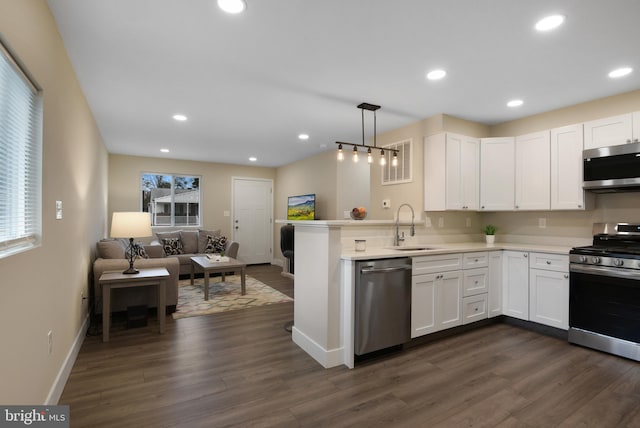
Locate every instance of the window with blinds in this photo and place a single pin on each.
(402, 172)
(20, 158)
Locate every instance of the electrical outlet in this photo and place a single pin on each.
(427, 222)
(50, 340)
(346, 214)
(542, 223)
(440, 221)
(386, 203)
(58, 210)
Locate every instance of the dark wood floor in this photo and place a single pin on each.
(241, 369)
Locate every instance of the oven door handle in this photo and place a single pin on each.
(605, 271)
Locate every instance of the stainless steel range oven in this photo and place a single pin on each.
(604, 291)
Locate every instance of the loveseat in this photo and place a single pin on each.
(111, 257)
(184, 244)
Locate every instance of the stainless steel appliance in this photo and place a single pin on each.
(612, 169)
(383, 304)
(604, 291)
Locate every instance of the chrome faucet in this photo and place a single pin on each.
(412, 230)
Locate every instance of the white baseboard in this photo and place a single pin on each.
(326, 358)
(63, 374)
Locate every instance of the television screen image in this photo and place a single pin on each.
(302, 207)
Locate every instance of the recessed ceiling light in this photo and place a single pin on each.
(549, 22)
(303, 136)
(436, 74)
(515, 103)
(164, 150)
(253, 158)
(180, 117)
(620, 72)
(232, 6)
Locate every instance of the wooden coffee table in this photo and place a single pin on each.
(150, 276)
(211, 266)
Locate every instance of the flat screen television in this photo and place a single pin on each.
(301, 207)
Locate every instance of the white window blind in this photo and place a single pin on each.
(20, 159)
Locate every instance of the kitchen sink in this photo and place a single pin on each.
(411, 248)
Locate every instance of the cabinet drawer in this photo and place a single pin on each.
(475, 260)
(556, 262)
(475, 281)
(439, 263)
(474, 308)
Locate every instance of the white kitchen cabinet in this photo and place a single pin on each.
(452, 172)
(549, 298)
(515, 277)
(636, 126)
(494, 284)
(497, 174)
(475, 260)
(436, 293)
(532, 172)
(475, 281)
(610, 131)
(423, 300)
(436, 301)
(474, 308)
(566, 169)
(549, 289)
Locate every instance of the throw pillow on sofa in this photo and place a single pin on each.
(202, 238)
(112, 248)
(216, 244)
(172, 246)
(138, 251)
(189, 240)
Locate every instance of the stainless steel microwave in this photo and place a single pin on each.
(612, 169)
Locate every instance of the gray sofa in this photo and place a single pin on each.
(192, 243)
(111, 257)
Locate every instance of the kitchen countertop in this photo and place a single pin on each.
(384, 253)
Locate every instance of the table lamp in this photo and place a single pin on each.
(130, 225)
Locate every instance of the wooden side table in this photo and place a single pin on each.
(152, 276)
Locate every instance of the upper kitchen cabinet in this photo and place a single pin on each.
(533, 172)
(611, 131)
(497, 174)
(566, 169)
(452, 172)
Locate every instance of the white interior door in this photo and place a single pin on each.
(252, 219)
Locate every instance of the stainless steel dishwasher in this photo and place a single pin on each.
(383, 304)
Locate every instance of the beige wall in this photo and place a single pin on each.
(316, 174)
(41, 289)
(216, 185)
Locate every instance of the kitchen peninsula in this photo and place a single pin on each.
(325, 271)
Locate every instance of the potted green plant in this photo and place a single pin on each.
(490, 233)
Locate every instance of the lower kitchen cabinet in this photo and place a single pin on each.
(549, 291)
(474, 308)
(515, 276)
(435, 302)
(494, 284)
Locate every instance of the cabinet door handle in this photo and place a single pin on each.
(548, 262)
(566, 276)
(526, 255)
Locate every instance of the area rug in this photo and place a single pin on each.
(224, 296)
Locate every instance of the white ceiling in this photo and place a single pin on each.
(251, 83)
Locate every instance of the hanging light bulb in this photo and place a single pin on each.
(383, 158)
(340, 154)
(394, 161)
(369, 157)
(355, 154)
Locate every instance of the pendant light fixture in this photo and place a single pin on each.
(383, 160)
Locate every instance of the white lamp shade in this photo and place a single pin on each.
(130, 225)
